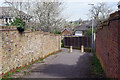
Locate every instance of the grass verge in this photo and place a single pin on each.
(97, 68)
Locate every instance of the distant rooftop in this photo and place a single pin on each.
(81, 28)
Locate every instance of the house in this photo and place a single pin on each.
(66, 33)
(7, 15)
(80, 30)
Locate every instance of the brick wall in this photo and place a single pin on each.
(17, 50)
(108, 45)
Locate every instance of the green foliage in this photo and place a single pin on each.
(23, 68)
(18, 70)
(97, 66)
(58, 32)
(41, 59)
(7, 24)
(62, 43)
(9, 74)
(75, 23)
(32, 29)
(87, 49)
(19, 23)
(26, 72)
(89, 32)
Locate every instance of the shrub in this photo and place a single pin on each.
(87, 49)
(19, 24)
(18, 70)
(62, 43)
(58, 32)
(89, 32)
(7, 24)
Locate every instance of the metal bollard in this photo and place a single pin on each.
(70, 49)
(82, 48)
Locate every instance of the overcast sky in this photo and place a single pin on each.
(75, 9)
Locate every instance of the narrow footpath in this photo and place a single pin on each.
(63, 65)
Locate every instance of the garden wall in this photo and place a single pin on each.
(108, 45)
(17, 50)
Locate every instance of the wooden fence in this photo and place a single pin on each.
(76, 42)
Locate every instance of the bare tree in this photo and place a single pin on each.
(100, 12)
(20, 10)
(48, 15)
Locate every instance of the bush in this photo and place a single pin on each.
(62, 43)
(58, 32)
(89, 32)
(19, 24)
(87, 49)
(7, 24)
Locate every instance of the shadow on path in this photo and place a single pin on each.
(81, 69)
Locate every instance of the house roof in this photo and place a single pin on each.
(65, 29)
(81, 28)
(8, 12)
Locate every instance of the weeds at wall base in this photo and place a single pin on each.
(19, 69)
(97, 68)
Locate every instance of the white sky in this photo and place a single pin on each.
(75, 9)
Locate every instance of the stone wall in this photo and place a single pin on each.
(108, 45)
(17, 49)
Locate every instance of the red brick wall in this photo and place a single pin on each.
(108, 45)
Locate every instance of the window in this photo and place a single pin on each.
(63, 35)
(68, 35)
(78, 33)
